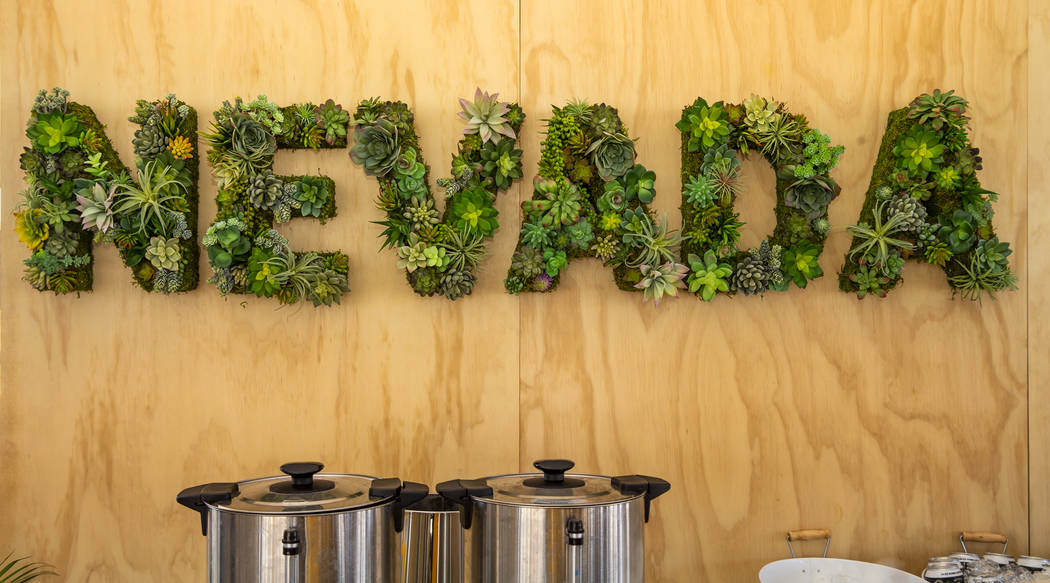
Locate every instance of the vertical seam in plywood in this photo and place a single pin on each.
(521, 424)
(1028, 272)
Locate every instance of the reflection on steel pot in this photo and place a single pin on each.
(555, 527)
(305, 527)
(432, 542)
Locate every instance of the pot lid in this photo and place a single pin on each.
(303, 491)
(556, 488)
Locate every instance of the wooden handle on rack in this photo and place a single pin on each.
(983, 537)
(809, 534)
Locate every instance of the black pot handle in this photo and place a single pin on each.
(404, 495)
(637, 484)
(461, 493)
(197, 498)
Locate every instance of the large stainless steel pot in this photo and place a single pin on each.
(555, 527)
(304, 527)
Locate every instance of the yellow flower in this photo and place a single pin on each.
(30, 232)
(181, 147)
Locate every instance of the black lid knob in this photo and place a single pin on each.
(554, 470)
(302, 473)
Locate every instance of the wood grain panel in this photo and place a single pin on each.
(893, 423)
(1039, 278)
(114, 401)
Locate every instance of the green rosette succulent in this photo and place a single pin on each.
(473, 210)
(869, 280)
(55, 132)
(333, 119)
(614, 198)
(96, 207)
(410, 174)
(164, 253)
(536, 234)
(556, 261)
(919, 151)
(613, 155)
(501, 162)
(708, 276)
(456, 284)
(486, 116)
(227, 243)
(958, 231)
(812, 195)
(938, 109)
(660, 281)
(311, 196)
(992, 255)
(252, 142)
(639, 184)
(265, 190)
(559, 202)
(750, 277)
(149, 141)
(422, 214)
(411, 257)
(699, 191)
(801, 263)
(704, 124)
(528, 263)
(376, 148)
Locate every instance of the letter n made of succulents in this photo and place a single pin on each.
(439, 251)
(925, 203)
(79, 192)
(590, 200)
(246, 253)
(714, 137)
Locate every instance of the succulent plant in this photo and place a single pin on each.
(801, 263)
(869, 280)
(948, 178)
(312, 196)
(653, 244)
(164, 253)
(421, 212)
(486, 116)
(818, 155)
(528, 263)
(913, 211)
(252, 142)
(639, 184)
(265, 190)
(991, 254)
(751, 276)
(614, 197)
(502, 162)
(937, 253)
(662, 280)
(580, 234)
(919, 151)
(158, 195)
(456, 284)
(96, 209)
(535, 234)
(425, 281)
(327, 287)
(606, 247)
(613, 155)
(938, 109)
(31, 230)
(560, 201)
(979, 278)
(227, 243)
(780, 138)
(708, 276)
(555, 260)
(333, 119)
(465, 248)
(411, 175)
(822, 226)
(61, 245)
(812, 195)
(473, 209)
(704, 124)
(181, 148)
(759, 113)
(54, 132)
(376, 148)
(958, 231)
(699, 191)
(50, 102)
(513, 285)
(410, 257)
(875, 242)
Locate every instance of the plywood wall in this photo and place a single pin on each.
(894, 423)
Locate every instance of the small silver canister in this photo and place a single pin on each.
(1032, 564)
(943, 570)
(432, 542)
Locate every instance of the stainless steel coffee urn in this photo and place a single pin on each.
(554, 527)
(304, 527)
